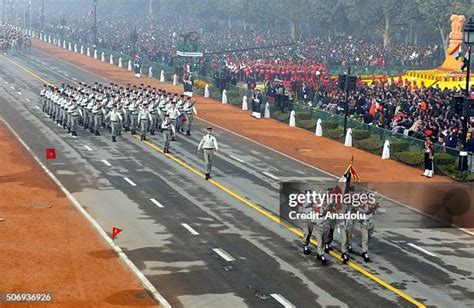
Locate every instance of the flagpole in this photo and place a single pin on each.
(466, 115)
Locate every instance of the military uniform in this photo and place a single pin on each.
(209, 145)
(115, 119)
(143, 120)
(189, 111)
(167, 129)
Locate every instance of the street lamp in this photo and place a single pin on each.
(469, 41)
(95, 22)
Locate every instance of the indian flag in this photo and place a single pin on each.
(456, 52)
(465, 60)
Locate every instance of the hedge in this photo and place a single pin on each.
(280, 116)
(359, 134)
(307, 124)
(329, 125)
(303, 115)
(412, 158)
(336, 133)
(444, 159)
(372, 145)
(399, 146)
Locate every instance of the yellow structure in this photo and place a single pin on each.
(450, 71)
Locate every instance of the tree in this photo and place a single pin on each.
(438, 12)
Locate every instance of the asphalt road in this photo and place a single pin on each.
(200, 245)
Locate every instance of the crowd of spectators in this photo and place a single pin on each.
(405, 108)
(157, 38)
(299, 67)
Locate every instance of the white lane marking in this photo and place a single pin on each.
(130, 181)
(13, 88)
(158, 204)
(279, 298)
(151, 288)
(188, 227)
(223, 254)
(28, 99)
(236, 158)
(74, 78)
(422, 250)
(88, 148)
(6, 82)
(37, 107)
(270, 175)
(19, 93)
(107, 163)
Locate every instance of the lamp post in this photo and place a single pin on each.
(42, 15)
(95, 22)
(469, 41)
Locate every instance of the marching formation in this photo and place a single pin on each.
(327, 217)
(13, 39)
(140, 110)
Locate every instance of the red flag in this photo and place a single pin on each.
(50, 153)
(115, 232)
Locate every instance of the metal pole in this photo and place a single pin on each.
(3, 12)
(95, 22)
(29, 12)
(42, 15)
(346, 105)
(466, 116)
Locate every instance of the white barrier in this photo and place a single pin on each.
(319, 128)
(348, 141)
(292, 122)
(244, 103)
(224, 96)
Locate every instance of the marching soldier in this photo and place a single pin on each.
(152, 110)
(44, 100)
(97, 114)
(208, 144)
(73, 114)
(115, 119)
(132, 109)
(367, 226)
(189, 111)
(89, 117)
(143, 120)
(173, 114)
(167, 127)
(346, 227)
(318, 226)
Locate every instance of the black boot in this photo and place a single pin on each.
(74, 134)
(142, 138)
(207, 176)
(322, 259)
(97, 133)
(306, 250)
(113, 139)
(365, 255)
(188, 133)
(345, 258)
(327, 247)
(152, 132)
(91, 130)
